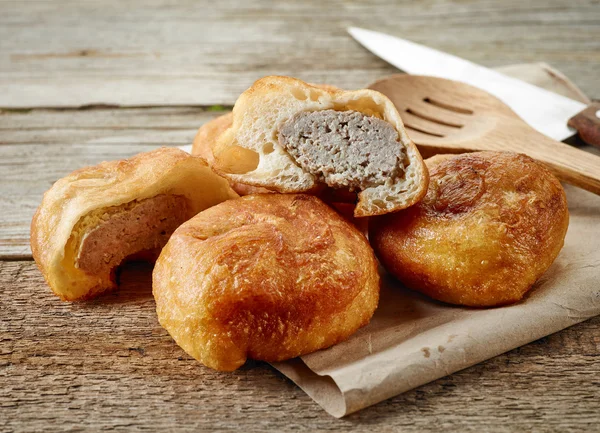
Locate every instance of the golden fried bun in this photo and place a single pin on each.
(209, 132)
(95, 218)
(291, 137)
(202, 146)
(206, 138)
(488, 228)
(268, 276)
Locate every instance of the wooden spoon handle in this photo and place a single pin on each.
(568, 163)
(587, 123)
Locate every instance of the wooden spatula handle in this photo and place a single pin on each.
(568, 163)
(587, 124)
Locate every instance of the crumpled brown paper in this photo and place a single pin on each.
(412, 340)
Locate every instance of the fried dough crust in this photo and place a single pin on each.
(269, 277)
(207, 136)
(127, 195)
(488, 228)
(250, 152)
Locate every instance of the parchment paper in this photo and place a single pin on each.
(412, 340)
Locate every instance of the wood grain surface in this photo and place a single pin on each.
(107, 364)
(164, 52)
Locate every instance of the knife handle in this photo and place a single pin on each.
(587, 124)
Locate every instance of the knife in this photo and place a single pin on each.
(554, 115)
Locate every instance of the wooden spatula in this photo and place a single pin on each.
(444, 116)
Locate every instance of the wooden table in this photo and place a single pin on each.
(82, 82)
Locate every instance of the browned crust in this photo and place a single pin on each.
(488, 228)
(269, 276)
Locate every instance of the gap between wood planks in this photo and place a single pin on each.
(16, 258)
(213, 107)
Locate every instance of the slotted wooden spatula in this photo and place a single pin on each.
(444, 116)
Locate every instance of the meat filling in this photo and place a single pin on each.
(344, 149)
(122, 231)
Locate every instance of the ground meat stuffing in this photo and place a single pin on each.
(344, 149)
(128, 229)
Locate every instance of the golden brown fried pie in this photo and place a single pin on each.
(290, 136)
(269, 277)
(488, 228)
(207, 136)
(209, 132)
(92, 220)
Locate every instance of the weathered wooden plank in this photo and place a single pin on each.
(41, 146)
(159, 52)
(107, 364)
(103, 118)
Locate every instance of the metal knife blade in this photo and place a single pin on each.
(545, 111)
